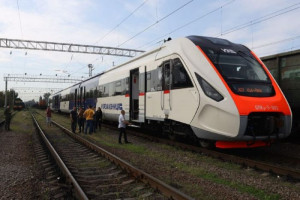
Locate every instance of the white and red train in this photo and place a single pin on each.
(211, 89)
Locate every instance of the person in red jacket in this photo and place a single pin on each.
(48, 116)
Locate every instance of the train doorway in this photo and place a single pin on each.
(134, 95)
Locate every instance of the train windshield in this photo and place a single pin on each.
(241, 71)
(237, 65)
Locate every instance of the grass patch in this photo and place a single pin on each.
(260, 194)
(109, 142)
(100, 164)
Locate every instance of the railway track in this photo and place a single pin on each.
(54, 186)
(273, 168)
(96, 173)
(233, 157)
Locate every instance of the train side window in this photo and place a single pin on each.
(180, 77)
(100, 94)
(118, 88)
(149, 81)
(142, 82)
(167, 76)
(158, 79)
(127, 86)
(105, 90)
(111, 90)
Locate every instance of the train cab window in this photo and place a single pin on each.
(180, 77)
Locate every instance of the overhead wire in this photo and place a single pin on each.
(20, 19)
(261, 19)
(158, 21)
(136, 9)
(236, 28)
(276, 42)
(109, 32)
(282, 51)
(186, 24)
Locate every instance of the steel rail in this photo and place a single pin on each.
(165, 189)
(79, 193)
(227, 157)
(283, 171)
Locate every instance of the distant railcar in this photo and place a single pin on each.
(209, 89)
(42, 104)
(285, 68)
(18, 104)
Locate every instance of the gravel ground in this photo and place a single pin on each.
(19, 174)
(196, 175)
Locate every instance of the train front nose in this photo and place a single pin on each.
(261, 125)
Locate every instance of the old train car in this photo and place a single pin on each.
(285, 68)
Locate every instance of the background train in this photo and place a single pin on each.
(208, 89)
(18, 104)
(285, 68)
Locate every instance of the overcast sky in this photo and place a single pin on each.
(266, 26)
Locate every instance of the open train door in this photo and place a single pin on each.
(134, 95)
(137, 94)
(142, 90)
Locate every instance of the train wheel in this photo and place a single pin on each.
(172, 136)
(206, 144)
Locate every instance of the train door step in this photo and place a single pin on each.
(134, 126)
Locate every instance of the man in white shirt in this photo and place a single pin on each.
(122, 127)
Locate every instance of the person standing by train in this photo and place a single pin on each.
(98, 118)
(80, 120)
(122, 127)
(89, 115)
(73, 117)
(48, 116)
(94, 120)
(7, 114)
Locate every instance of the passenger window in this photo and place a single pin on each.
(167, 76)
(149, 85)
(118, 88)
(180, 77)
(158, 82)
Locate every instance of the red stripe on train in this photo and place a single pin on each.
(242, 144)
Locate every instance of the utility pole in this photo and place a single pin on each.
(13, 101)
(90, 66)
(5, 101)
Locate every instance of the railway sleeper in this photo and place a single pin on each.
(103, 181)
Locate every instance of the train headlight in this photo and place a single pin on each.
(209, 90)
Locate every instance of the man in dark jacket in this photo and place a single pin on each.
(73, 117)
(81, 119)
(7, 114)
(98, 118)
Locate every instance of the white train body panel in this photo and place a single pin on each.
(145, 89)
(64, 105)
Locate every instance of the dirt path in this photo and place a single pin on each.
(19, 174)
